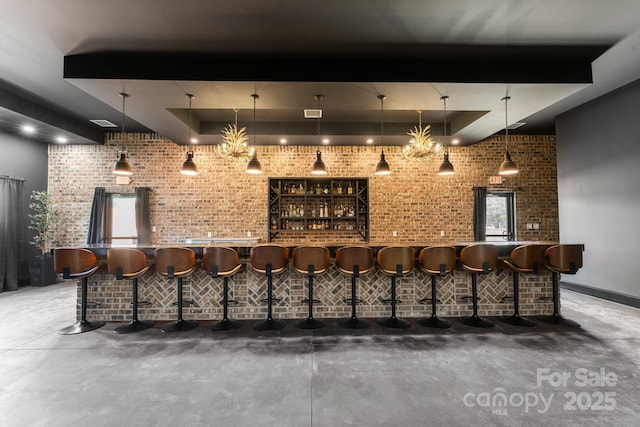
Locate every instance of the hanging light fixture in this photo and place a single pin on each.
(122, 166)
(446, 168)
(422, 145)
(189, 167)
(382, 168)
(508, 166)
(319, 167)
(234, 143)
(254, 167)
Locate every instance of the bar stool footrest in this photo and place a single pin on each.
(184, 303)
(306, 301)
(390, 301)
(506, 298)
(348, 301)
(143, 303)
(230, 302)
(93, 304)
(264, 300)
(428, 300)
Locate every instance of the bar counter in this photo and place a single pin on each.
(204, 293)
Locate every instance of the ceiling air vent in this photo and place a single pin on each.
(104, 123)
(515, 125)
(312, 114)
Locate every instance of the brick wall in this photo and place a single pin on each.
(226, 201)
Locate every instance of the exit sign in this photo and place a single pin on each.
(495, 179)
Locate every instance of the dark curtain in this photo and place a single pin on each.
(97, 221)
(143, 215)
(479, 213)
(10, 231)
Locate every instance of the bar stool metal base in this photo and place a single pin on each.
(478, 322)
(354, 323)
(310, 323)
(180, 325)
(434, 322)
(558, 319)
(517, 320)
(225, 325)
(134, 326)
(81, 326)
(395, 323)
(269, 325)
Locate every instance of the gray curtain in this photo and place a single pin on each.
(143, 215)
(479, 214)
(10, 231)
(97, 221)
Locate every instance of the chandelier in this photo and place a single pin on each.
(422, 146)
(234, 143)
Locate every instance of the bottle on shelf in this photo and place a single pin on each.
(350, 188)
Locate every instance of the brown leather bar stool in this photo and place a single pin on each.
(395, 261)
(269, 259)
(479, 258)
(436, 261)
(219, 261)
(176, 263)
(129, 264)
(561, 259)
(77, 264)
(354, 261)
(310, 261)
(524, 259)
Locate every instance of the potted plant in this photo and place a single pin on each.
(44, 218)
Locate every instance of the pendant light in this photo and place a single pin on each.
(122, 167)
(319, 167)
(508, 166)
(189, 167)
(254, 167)
(446, 168)
(382, 168)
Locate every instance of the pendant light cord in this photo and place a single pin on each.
(318, 98)
(255, 96)
(506, 123)
(124, 97)
(381, 97)
(444, 113)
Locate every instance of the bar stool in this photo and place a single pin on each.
(395, 261)
(78, 264)
(524, 259)
(354, 261)
(561, 259)
(310, 261)
(176, 262)
(222, 262)
(436, 261)
(269, 259)
(129, 264)
(479, 258)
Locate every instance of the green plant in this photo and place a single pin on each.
(44, 218)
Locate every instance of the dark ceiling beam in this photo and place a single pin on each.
(38, 110)
(463, 64)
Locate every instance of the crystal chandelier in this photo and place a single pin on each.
(234, 143)
(422, 146)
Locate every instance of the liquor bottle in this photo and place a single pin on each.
(339, 189)
(349, 188)
(274, 223)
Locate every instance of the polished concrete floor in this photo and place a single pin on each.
(506, 376)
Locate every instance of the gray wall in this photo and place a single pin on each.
(598, 158)
(28, 159)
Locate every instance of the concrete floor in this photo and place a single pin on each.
(506, 376)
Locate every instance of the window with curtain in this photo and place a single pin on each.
(120, 218)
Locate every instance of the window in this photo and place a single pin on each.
(500, 217)
(121, 219)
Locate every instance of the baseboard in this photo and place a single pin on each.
(603, 293)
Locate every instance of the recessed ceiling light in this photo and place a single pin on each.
(515, 125)
(283, 141)
(369, 140)
(325, 141)
(194, 140)
(104, 123)
(61, 139)
(28, 129)
(455, 141)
